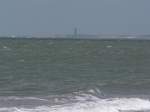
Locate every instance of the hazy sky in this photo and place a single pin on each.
(43, 17)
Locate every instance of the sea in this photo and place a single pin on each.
(74, 75)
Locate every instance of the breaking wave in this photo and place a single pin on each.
(102, 105)
(83, 103)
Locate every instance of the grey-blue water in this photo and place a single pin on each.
(66, 75)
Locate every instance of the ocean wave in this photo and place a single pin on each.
(22, 98)
(81, 102)
(92, 100)
(101, 105)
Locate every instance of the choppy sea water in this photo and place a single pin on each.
(64, 75)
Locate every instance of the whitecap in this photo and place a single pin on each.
(6, 48)
(105, 105)
(21, 60)
(99, 105)
(109, 46)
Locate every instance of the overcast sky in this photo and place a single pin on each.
(44, 17)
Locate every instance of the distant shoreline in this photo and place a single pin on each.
(83, 37)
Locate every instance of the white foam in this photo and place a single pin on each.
(99, 105)
(21, 60)
(109, 46)
(6, 48)
(22, 98)
(107, 105)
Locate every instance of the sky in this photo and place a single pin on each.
(46, 17)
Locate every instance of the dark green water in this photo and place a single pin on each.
(47, 75)
(39, 67)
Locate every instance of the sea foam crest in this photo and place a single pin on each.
(100, 105)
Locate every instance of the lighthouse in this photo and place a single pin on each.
(75, 33)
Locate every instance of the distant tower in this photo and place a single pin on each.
(75, 32)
